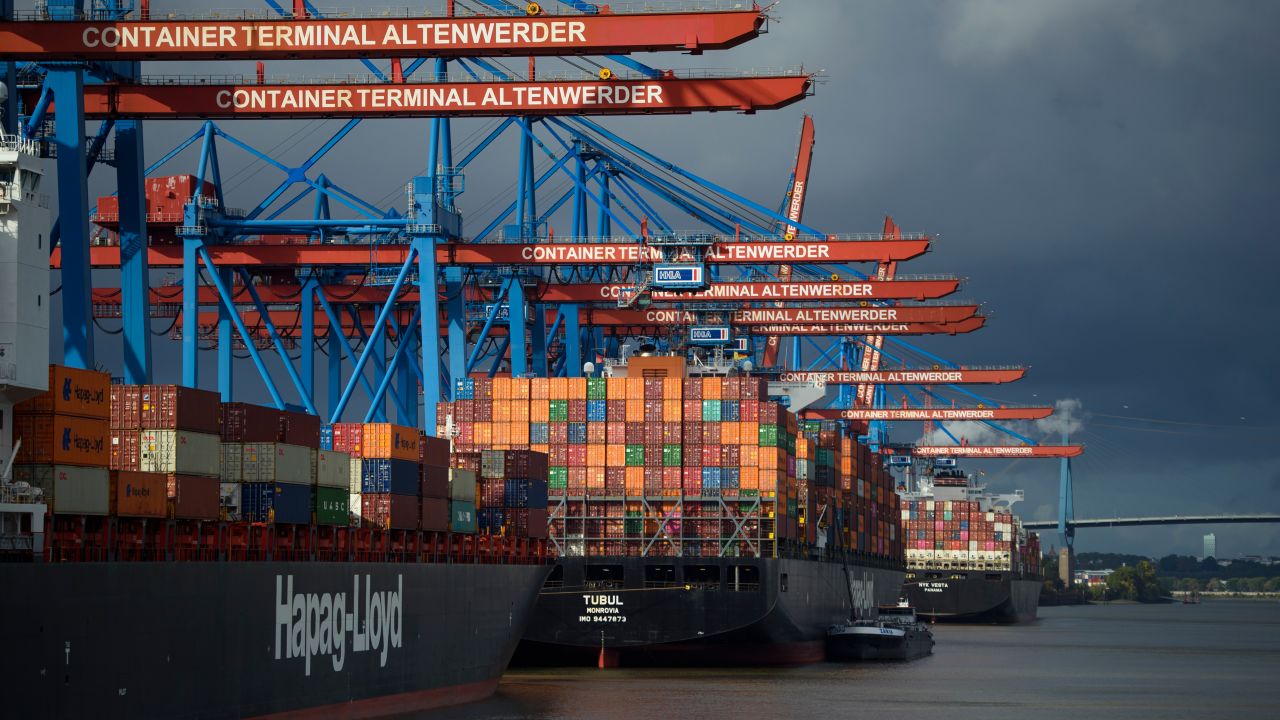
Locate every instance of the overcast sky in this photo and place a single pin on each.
(1103, 173)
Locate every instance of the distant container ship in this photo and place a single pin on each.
(696, 521)
(968, 557)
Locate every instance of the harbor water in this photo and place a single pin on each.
(1219, 659)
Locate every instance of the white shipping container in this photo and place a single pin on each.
(357, 478)
(333, 469)
(230, 500)
(462, 485)
(277, 462)
(71, 490)
(231, 465)
(353, 504)
(181, 452)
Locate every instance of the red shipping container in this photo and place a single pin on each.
(434, 452)
(126, 407)
(435, 514)
(139, 494)
(349, 438)
(393, 512)
(537, 523)
(245, 422)
(173, 407)
(126, 449)
(435, 483)
(301, 429)
(193, 497)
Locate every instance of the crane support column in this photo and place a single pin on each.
(66, 81)
(516, 314)
(538, 340)
(135, 286)
(456, 307)
(306, 338)
(334, 387)
(572, 342)
(226, 342)
(430, 322)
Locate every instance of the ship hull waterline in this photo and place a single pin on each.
(975, 598)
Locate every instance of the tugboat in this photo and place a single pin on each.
(896, 635)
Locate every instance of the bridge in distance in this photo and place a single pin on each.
(1165, 520)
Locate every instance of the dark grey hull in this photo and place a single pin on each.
(917, 643)
(230, 640)
(780, 619)
(975, 596)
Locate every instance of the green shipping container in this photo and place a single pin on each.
(558, 477)
(635, 456)
(596, 388)
(710, 411)
(768, 436)
(672, 455)
(634, 524)
(332, 506)
(558, 411)
(462, 517)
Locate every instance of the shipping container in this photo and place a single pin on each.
(349, 438)
(278, 463)
(62, 440)
(245, 422)
(180, 452)
(462, 516)
(73, 392)
(231, 462)
(299, 428)
(390, 442)
(462, 485)
(276, 502)
(193, 497)
(331, 506)
(173, 407)
(435, 514)
(434, 452)
(400, 477)
(333, 469)
(230, 501)
(139, 494)
(70, 489)
(126, 407)
(390, 511)
(435, 482)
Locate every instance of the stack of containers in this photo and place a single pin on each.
(348, 438)
(960, 533)
(172, 431)
(512, 492)
(65, 434)
(390, 479)
(464, 481)
(433, 465)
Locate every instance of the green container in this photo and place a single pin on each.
(558, 411)
(596, 388)
(332, 506)
(462, 517)
(558, 477)
(710, 411)
(635, 456)
(672, 455)
(634, 523)
(768, 436)
(749, 493)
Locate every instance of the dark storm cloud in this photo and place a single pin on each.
(1104, 172)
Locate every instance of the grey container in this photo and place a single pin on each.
(231, 463)
(180, 451)
(278, 463)
(462, 485)
(68, 489)
(333, 469)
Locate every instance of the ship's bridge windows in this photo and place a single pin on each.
(744, 578)
(604, 577)
(659, 576)
(706, 577)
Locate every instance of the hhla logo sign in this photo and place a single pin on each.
(317, 625)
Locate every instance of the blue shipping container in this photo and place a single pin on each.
(597, 410)
(577, 433)
(462, 516)
(730, 411)
(539, 433)
(326, 437)
(399, 477)
(278, 502)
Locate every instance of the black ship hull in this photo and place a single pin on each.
(250, 639)
(974, 596)
(708, 611)
(913, 644)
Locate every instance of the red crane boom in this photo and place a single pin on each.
(795, 210)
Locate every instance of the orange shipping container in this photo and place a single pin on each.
(616, 388)
(730, 433)
(539, 388)
(139, 494)
(712, 388)
(634, 480)
(389, 442)
(596, 456)
(577, 388)
(540, 411)
(672, 410)
(81, 393)
(635, 409)
(635, 389)
(616, 456)
(63, 440)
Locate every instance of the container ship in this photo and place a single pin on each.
(968, 557)
(696, 521)
(166, 555)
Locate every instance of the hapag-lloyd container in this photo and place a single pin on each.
(70, 489)
(245, 422)
(180, 451)
(193, 497)
(333, 469)
(173, 407)
(277, 462)
(72, 391)
(62, 440)
(389, 442)
(139, 494)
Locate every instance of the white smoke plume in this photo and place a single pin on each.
(1068, 415)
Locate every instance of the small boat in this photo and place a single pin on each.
(897, 634)
(1191, 598)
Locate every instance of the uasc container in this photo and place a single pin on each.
(331, 506)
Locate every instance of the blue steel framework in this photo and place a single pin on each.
(624, 183)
